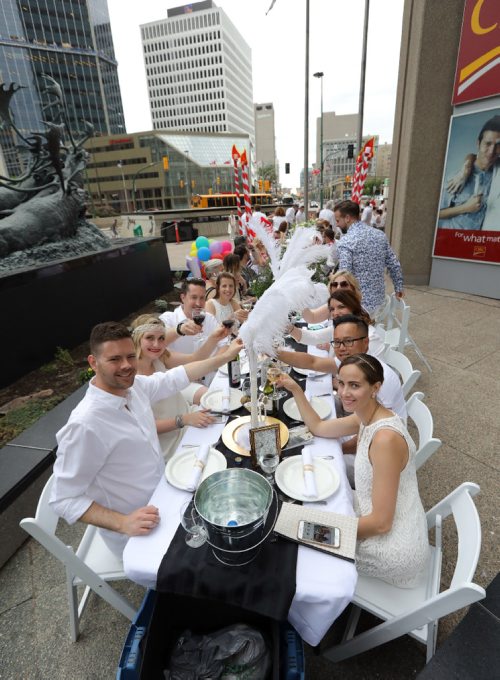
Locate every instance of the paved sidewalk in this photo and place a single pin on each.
(460, 335)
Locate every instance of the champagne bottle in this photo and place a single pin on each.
(233, 371)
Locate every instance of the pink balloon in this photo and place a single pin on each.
(226, 245)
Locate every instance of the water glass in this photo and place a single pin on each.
(196, 534)
(268, 462)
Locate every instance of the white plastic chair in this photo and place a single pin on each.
(416, 611)
(397, 335)
(422, 417)
(92, 565)
(402, 365)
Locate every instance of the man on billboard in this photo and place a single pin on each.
(465, 201)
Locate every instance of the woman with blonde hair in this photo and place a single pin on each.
(174, 412)
(343, 280)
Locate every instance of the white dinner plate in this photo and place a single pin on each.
(290, 479)
(308, 372)
(213, 400)
(322, 408)
(180, 467)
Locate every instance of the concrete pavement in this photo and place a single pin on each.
(460, 335)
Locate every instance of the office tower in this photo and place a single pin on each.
(71, 42)
(265, 147)
(199, 71)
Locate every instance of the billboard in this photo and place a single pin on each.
(478, 62)
(468, 224)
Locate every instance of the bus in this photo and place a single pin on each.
(228, 200)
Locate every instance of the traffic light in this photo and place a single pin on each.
(350, 151)
(267, 185)
(165, 163)
(287, 168)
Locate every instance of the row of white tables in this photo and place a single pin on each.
(324, 584)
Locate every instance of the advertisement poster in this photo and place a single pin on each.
(468, 226)
(478, 62)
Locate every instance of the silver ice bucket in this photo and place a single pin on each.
(233, 505)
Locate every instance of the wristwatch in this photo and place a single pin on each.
(179, 422)
(178, 329)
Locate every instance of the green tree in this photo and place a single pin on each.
(267, 172)
(372, 186)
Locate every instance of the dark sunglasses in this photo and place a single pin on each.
(340, 284)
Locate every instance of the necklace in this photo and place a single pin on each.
(373, 414)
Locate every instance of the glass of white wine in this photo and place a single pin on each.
(273, 373)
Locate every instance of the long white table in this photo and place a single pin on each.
(324, 584)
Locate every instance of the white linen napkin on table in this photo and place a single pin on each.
(310, 489)
(198, 467)
(226, 398)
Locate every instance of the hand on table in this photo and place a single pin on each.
(141, 522)
(198, 419)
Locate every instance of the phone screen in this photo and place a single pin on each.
(319, 533)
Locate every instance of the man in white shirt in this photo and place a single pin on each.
(183, 334)
(290, 214)
(109, 459)
(300, 215)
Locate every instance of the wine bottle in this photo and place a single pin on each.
(233, 371)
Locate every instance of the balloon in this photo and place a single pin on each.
(204, 254)
(212, 250)
(218, 256)
(226, 245)
(216, 247)
(202, 242)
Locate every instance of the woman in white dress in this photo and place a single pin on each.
(341, 302)
(224, 306)
(173, 413)
(392, 530)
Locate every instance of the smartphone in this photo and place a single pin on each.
(319, 533)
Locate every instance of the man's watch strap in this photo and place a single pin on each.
(178, 329)
(179, 422)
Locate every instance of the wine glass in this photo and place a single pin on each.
(199, 317)
(196, 534)
(269, 461)
(273, 373)
(246, 305)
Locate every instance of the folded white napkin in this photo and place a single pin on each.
(198, 467)
(243, 437)
(226, 398)
(310, 489)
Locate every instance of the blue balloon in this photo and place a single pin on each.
(202, 242)
(204, 254)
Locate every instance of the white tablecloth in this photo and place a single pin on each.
(324, 584)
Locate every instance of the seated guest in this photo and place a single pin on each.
(350, 336)
(223, 306)
(109, 459)
(339, 279)
(173, 413)
(183, 334)
(279, 217)
(343, 301)
(280, 234)
(212, 269)
(232, 264)
(392, 538)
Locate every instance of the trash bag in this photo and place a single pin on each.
(237, 652)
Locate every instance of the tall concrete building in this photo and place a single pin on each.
(71, 42)
(338, 133)
(265, 142)
(199, 71)
(383, 160)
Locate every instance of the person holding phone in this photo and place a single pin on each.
(392, 540)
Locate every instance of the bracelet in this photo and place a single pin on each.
(179, 422)
(178, 329)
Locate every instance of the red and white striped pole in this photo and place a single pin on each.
(236, 158)
(362, 165)
(246, 186)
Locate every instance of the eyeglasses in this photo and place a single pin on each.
(340, 284)
(348, 342)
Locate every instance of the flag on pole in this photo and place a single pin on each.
(270, 8)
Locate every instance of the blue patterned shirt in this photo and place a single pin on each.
(365, 251)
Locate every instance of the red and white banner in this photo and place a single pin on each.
(362, 166)
(478, 62)
(246, 193)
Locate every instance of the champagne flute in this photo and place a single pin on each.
(273, 373)
(196, 534)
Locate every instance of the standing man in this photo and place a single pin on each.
(366, 253)
(327, 214)
(109, 459)
(290, 215)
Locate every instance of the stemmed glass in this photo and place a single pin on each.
(273, 373)
(196, 534)
(269, 461)
(199, 317)
(246, 305)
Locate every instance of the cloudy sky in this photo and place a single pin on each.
(278, 55)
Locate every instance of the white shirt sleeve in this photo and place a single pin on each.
(317, 337)
(162, 385)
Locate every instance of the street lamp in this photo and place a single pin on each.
(320, 75)
(144, 167)
(120, 165)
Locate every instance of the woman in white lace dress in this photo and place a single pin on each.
(392, 529)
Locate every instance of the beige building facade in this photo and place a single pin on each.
(265, 139)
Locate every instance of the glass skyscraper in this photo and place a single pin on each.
(69, 40)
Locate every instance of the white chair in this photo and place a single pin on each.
(397, 335)
(402, 365)
(416, 611)
(92, 565)
(422, 417)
